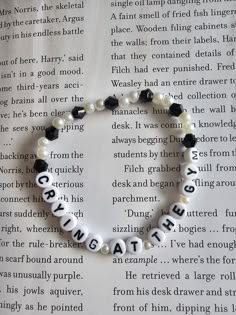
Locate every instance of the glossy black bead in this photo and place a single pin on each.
(176, 109)
(40, 166)
(51, 133)
(189, 140)
(146, 96)
(111, 102)
(78, 112)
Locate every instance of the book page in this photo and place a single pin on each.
(119, 171)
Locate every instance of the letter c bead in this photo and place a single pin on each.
(44, 179)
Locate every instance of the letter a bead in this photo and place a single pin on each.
(118, 247)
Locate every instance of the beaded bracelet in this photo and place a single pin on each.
(167, 222)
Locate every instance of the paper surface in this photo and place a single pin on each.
(118, 171)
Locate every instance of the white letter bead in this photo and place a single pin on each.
(134, 245)
(189, 171)
(177, 210)
(156, 236)
(118, 247)
(167, 223)
(50, 194)
(59, 208)
(187, 187)
(44, 179)
(191, 155)
(79, 233)
(94, 242)
(68, 222)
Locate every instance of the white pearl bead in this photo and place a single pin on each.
(59, 208)
(105, 249)
(156, 236)
(42, 153)
(147, 244)
(79, 233)
(68, 222)
(191, 155)
(167, 223)
(187, 127)
(43, 142)
(177, 210)
(183, 199)
(50, 194)
(184, 117)
(157, 98)
(90, 108)
(134, 245)
(44, 179)
(99, 105)
(68, 118)
(189, 171)
(118, 247)
(94, 242)
(58, 122)
(123, 101)
(167, 101)
(133, 96)
(187, 188)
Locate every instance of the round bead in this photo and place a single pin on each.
(123, 101)
(156, 236)
(94, 242)
(118, 247)
(90, 108)
(43, 142)
(187, 188)
(147, 244)
(68, 118)
(167, 223)
(105, 249)
(68, 222)
(59, 208)
(157, 98)
(58, 122)
(189, 171)
(133, 96)
(184, 117)
(167, 100)
(99, 105)
(50, 194)
(191, 155)
(79, 233)
(134, 245)
(44, 179)
(177, 210)
(42, 153)
(184, 199)
(188, 127)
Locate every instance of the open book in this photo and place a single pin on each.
(117, 170)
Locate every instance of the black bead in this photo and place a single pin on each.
(40, 165)
(146, 96)
(176, 109)
(78, 112)
(189, 140)
(111, 102)
(51, 133)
